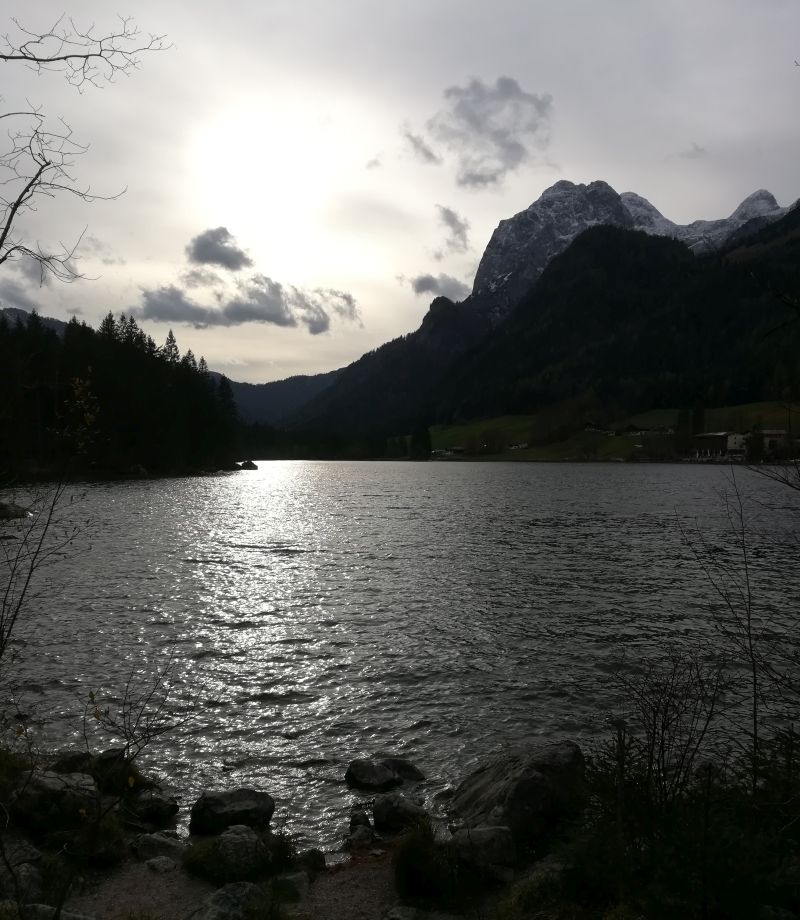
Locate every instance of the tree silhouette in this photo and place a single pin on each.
(38, 161)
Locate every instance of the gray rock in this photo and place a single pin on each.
(528, 791)
(360, 838)
(490, 850)
(236, 901)
(77, 761)
(380, 775)
(403, 768)
(52, 801)
(312, 861)
(9, 511)
(393, 812)
(240, 853)
(214, 811)
(153, 807)
(23, 880)
(151, 846)
(161, 865)
(359, 818)
(371, 775)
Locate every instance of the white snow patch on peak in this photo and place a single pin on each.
(646, 216)
(759, 204)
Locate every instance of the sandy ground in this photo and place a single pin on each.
(360, 889)
(134, 889)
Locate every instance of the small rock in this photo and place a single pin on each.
(153, 807)
(151, 846)
(248, 465)
(359, 818)
(214, 811)
(393, 812)
(360, 838)
(161, 865)
(313, 861)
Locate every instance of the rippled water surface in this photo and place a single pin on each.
(323, 611)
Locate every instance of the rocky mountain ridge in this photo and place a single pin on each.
(522, 246)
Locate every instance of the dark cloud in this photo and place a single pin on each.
(15, 294)
(457, 229)
(695, 152)
(491, 130)
(440, 285)
(217, 246)
(420, 147)
(257, 299)
(169, 304)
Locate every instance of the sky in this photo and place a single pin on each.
(289, 183)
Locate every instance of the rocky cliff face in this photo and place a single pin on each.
(523, 245)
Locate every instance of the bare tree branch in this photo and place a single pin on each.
(39, 159)
(83, 56)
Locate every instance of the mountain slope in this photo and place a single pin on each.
(639, 322)
(393, 387)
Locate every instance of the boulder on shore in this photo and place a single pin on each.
(215, 811)
(393, 812)
(528, 790)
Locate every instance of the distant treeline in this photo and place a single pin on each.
(108, 402)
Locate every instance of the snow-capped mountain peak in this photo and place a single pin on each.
(523, 245)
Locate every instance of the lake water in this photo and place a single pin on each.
(324, 611)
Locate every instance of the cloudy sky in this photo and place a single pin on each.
(301, 178)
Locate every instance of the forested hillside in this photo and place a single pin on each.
(639, 322)
(107, 402)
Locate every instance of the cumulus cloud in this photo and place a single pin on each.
(420, 147)
(440, 285)
(457, 229)
(217, 246)
(695, 152)
(253, 298)
(491, 130)
(257, 299)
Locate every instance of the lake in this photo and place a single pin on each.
(321, 611)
